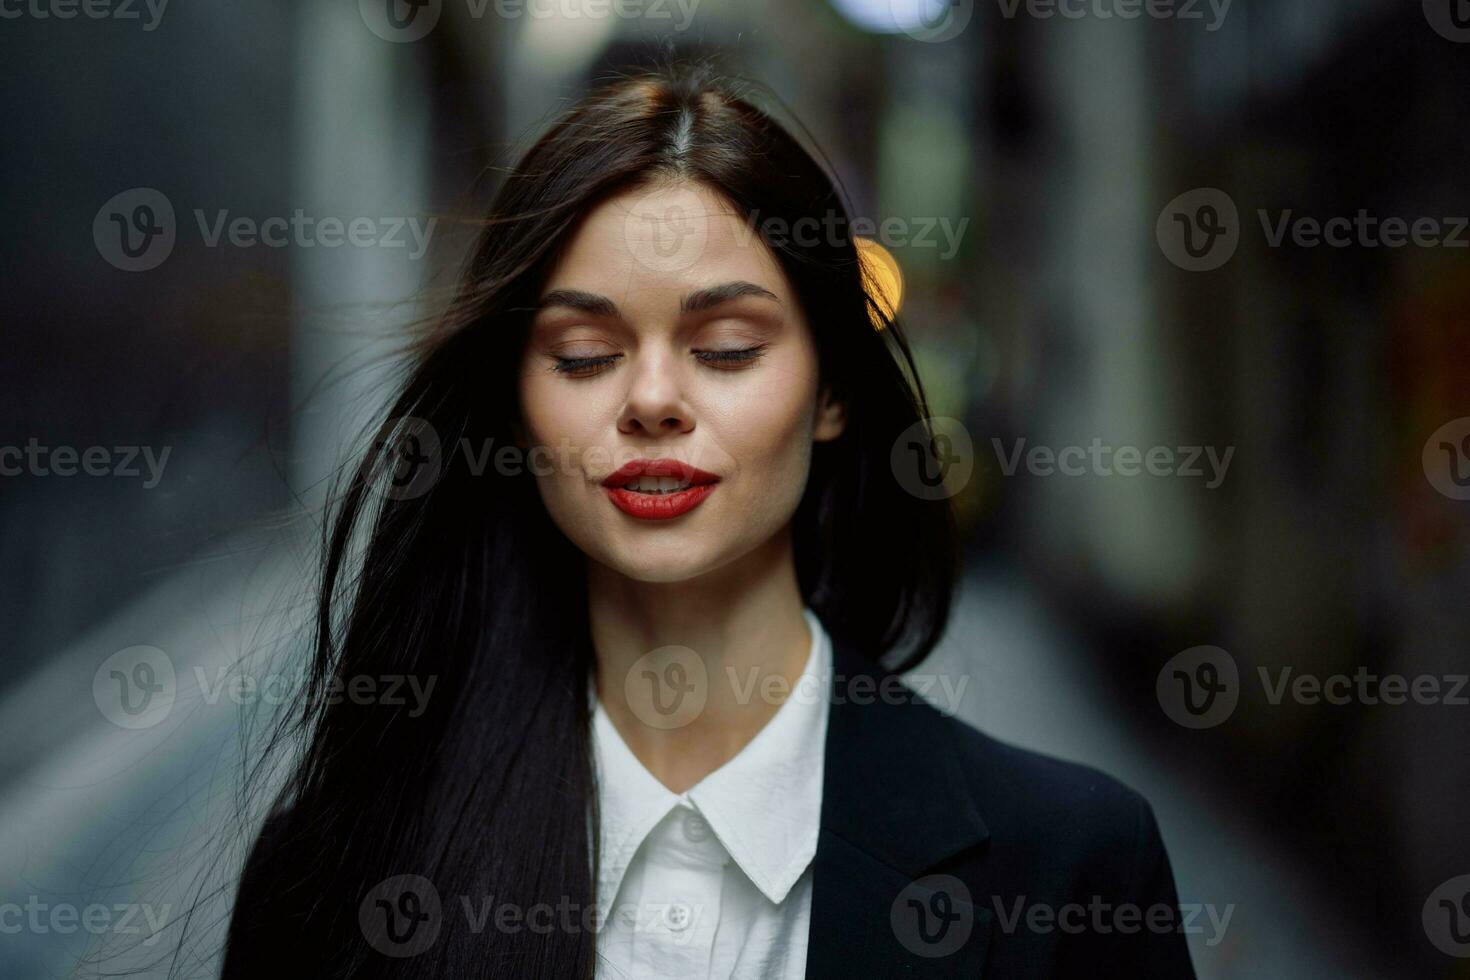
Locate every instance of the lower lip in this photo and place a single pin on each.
(658, 506)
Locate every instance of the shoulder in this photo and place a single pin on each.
(1027, 787)
(1089, 828)
(1066, 837)
(260, 920)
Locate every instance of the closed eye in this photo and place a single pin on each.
(743, 355)
(582, 367)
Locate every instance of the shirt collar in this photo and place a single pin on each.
(764, 805)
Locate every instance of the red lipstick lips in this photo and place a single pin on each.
(658, 489)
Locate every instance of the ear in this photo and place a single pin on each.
(831, 417)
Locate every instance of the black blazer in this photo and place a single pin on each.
(946, 853)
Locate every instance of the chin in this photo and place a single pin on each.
(674, 560)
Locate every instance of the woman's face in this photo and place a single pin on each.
(668, 331)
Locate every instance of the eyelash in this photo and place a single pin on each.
(585, 366)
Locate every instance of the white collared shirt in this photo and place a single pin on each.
(715, 882)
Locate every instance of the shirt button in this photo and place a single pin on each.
(696, 828)
(679, 917)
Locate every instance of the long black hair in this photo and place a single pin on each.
(485, 797)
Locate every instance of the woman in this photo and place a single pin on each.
(641, 524)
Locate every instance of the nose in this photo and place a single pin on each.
(655, 402)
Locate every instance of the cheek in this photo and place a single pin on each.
(563, 422)
(767, 431)
(566, 417)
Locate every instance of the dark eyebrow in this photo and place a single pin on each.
(711, 296)
(695, 302)
(578, 300)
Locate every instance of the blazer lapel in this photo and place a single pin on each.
(894, 807)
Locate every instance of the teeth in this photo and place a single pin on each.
(656, 484)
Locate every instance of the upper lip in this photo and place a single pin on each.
(629, 472)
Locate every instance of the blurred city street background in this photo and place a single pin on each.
(1164, 226)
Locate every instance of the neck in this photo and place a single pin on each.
(744, 624)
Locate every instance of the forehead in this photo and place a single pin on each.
(658, 242)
